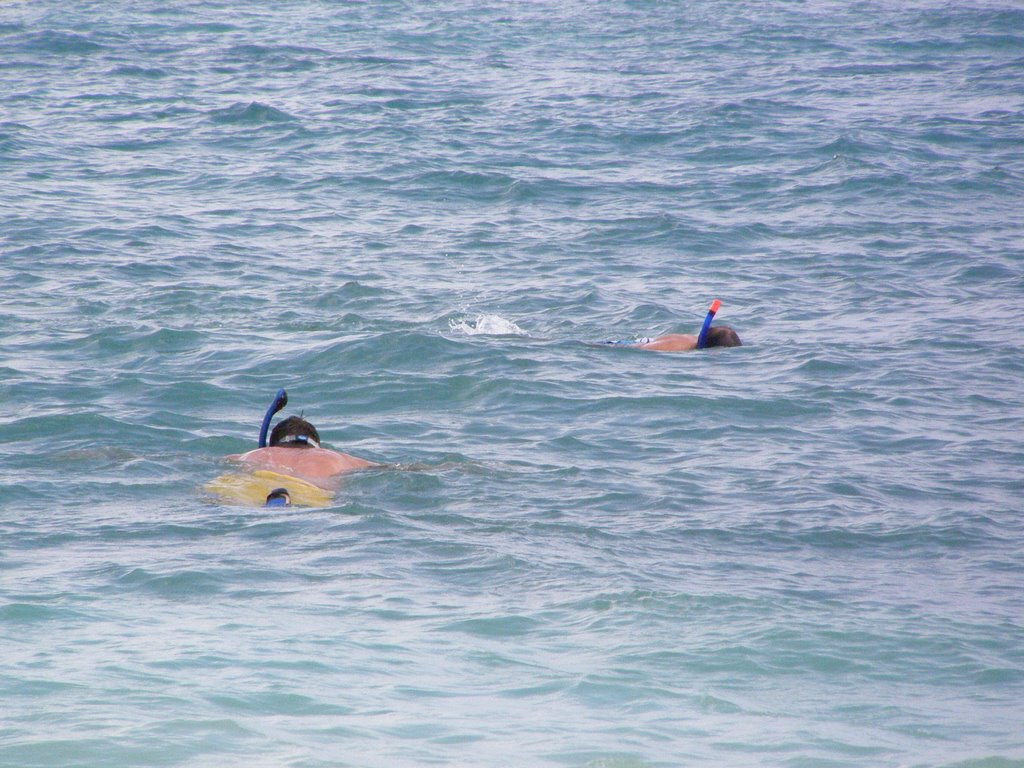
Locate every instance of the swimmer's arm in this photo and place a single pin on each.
(672, 342)
(254, 455)
(255, 459)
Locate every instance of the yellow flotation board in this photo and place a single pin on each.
(252, 488)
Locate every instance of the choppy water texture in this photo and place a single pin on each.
(803, 552)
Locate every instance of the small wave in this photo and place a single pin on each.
(148, 73)
(253, 113)
(476, 185)
(10, 137)
(63, 43)
(486, 325)
(281, 58)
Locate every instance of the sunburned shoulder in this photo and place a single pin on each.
(671, 342)
(308, 462)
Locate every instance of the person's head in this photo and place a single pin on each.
(295, 432)
(722, 336)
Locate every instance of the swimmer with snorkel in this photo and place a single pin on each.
(719, 336)
(294, 450)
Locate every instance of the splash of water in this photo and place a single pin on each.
(486, 325)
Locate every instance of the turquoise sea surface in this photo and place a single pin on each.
(416, 216)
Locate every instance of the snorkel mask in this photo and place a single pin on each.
(279, 497)
(303, 440)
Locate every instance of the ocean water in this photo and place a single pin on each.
(807, 551)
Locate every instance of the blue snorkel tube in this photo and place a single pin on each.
(280, 401)
(702, 339)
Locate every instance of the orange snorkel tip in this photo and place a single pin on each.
(702, 339)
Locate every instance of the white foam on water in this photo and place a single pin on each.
(486, 325)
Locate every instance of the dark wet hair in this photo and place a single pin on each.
(294, 426)
(722, 336)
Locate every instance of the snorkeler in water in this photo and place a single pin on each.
(294, 449)
(717, 336)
